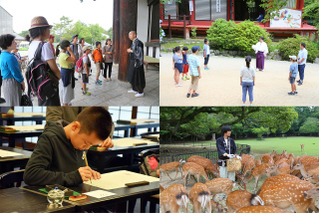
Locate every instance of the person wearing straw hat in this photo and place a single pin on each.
(226, 150)
(13, 81)
(39, 32)
(293, 74)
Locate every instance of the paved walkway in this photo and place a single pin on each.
(115, 92)
(220, 86)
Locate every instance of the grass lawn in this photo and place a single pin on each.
(291, 144)
(182, 43)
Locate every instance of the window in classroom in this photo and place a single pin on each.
(170, 8)
(291, 4)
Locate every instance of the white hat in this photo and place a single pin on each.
(293, 57)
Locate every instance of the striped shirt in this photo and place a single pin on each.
(194, 63)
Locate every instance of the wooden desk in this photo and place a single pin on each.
(122, 194)
(9, 163)
(20, 200)
(24, 116)
(22, 132)
(102, 158)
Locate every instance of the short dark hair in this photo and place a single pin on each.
(97, 120)
(177, 48)
(97, 43)
(205, 40)
(185, 48)
(36, 32)
(6, 41)
(225, 128)
(108, 40)
(81, 39)
(303, 44)
(262, 38)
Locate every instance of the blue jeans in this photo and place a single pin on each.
(301, 71)
(247, 86)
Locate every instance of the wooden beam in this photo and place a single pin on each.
(116, 30)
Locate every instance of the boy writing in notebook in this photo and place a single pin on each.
(58, 156)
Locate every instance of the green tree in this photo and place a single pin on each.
(260, 132)
(98, 33)
(310, 126)
(61, 30)
(311, 11)
(24, 33)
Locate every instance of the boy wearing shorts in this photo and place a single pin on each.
(292, 74)
(185, 75)
(206, 53)
(85, 70)
(177, 65)
(194, 65)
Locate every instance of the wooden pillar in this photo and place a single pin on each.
(116, 30)
(134, 113)
(169, 25)
(128, 22)
(184, 27)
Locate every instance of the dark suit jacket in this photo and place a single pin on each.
(222, 149)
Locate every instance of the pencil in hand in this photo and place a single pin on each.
(86, 160)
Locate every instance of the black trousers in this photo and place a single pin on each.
(106, 67)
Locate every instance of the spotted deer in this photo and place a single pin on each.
(173, 199)
(206, 163)
(309, 162)
(217, 207)
(278, 179)
(247, 164)
(280, 169)
(258, 172)
(242, 198)
(220, 185)
(312, 193)
(262, 209)
(311, 175)
(302, 147)
(200, 197)
(258, 162)
(172, 166)
(191, 168)
(286, 194)
(267, 157)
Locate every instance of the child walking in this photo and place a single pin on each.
(177, 65)
(185, 75)
(293, 74)
(206, 53)
(194, 64)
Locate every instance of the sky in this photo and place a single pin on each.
(89, 12)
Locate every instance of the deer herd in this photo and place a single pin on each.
(292, 184)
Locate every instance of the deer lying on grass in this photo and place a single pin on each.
(200, 197)
(262, 209)
(220, 185)
(206, 163)
(191, 168)
(311, 175)
(174, 198)
(239, 199)
(286, 194)
(280, 169)
(258, 172)
(278, 179)
(172, 166)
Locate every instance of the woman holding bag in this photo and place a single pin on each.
(13, 81)
(226, 150)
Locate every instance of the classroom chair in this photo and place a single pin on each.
(11, 179)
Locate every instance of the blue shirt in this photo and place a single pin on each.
(177, 59)
(207, 49)
(294, 69)
(303, 54)
(185, 58)
(10, 67)
(194, 63)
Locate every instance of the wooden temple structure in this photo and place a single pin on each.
(180, 18)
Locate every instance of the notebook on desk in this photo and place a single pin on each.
(8, 154)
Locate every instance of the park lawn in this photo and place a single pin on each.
(182, 43)
(291, 144)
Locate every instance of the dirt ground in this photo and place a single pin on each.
(220, 86)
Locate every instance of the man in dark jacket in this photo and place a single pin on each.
(226, 149)
(58, 156)
(136, 75)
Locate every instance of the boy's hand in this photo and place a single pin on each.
(87, 173)
(107, 143)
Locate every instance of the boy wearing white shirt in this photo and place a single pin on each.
(302, 60)
(206, 53)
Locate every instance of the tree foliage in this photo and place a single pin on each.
(311, 11)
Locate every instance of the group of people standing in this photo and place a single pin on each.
(71, 56)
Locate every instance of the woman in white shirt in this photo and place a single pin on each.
(247, 79)
(261, 50)
(39, 32)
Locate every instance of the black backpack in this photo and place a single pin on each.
(41, 80)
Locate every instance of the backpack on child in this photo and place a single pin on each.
(80, 64)
(41, 79)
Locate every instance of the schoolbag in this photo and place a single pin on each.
(150, 165)
(41, 80)
(80, 64)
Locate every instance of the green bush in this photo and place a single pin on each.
(194, 32)
(228, 35)
(291, 46)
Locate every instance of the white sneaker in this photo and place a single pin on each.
(243, 104)
(132, 91)
(179, 85)
(250, 105)
(139, 95)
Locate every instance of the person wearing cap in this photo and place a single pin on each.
(136, 75)
(85, 69)
(51, 41)
(302, 60)
(77, 51)
(98, 59)
(13, 81)
(67, 62)
(40, 32)
(247, 81)
(261, 49)
(293, 71)
(226, 150)
(194, 66)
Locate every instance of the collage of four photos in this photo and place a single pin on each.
(159, 106)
